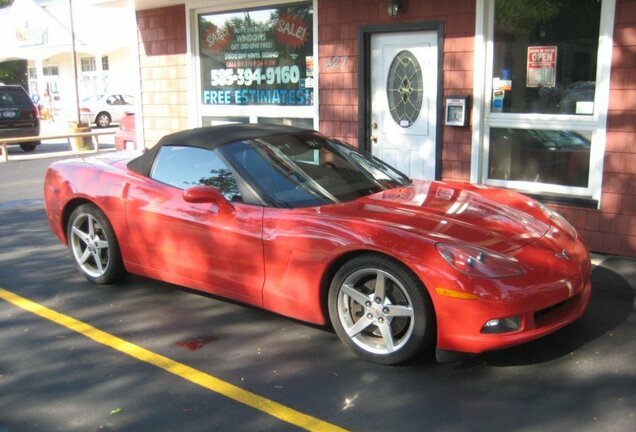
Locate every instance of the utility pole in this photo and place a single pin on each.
(70, 9)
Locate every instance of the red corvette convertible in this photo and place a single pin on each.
(308, 227)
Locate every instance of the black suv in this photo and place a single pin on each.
(19, 117)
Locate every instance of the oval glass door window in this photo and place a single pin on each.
(405, 89)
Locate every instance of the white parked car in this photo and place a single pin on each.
(106, 109)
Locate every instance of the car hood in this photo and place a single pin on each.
(495, 219)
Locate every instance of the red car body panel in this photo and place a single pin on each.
(193, 243)
(282, 259)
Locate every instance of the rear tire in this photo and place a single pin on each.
(380, 309)
(28, 147)
(93, 245)
(103, 120)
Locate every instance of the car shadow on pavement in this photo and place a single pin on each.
(611, 305)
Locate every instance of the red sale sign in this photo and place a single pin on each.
(218, 39)
(291, 30)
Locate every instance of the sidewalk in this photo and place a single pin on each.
(625, 267)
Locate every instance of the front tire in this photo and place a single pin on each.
(93, 245)
(380, 309)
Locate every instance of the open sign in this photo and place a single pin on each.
(541, 70)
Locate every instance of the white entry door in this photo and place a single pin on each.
(404, 101)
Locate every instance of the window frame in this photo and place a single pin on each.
(88, 64)
(253, 112)
(485, 119)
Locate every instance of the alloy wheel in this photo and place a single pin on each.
(375, 311)
(90, 245)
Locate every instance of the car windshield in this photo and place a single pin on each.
(303, 170)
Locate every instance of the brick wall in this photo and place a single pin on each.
(339, 21)
(162, 61)
(612, 229)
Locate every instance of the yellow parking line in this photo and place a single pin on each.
(195, 376)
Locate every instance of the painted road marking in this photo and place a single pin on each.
(188, 373)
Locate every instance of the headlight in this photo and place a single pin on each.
(478, 262)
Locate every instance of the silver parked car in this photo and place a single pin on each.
(106, 109)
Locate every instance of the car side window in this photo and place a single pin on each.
(184, 167)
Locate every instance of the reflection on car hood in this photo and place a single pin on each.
(495, 219)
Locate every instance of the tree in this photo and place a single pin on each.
(14, 72)
(526, 13)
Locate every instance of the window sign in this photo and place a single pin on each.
(541, 66)
(545, 56)
(257, 57)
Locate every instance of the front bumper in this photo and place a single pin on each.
(553, 292)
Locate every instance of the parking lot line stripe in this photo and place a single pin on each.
(195, 376)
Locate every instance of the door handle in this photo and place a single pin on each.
(374, 139)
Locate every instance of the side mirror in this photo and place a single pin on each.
(208, 194)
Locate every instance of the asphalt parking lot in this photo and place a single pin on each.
(145, 355)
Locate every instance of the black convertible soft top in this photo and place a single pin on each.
(210, 137)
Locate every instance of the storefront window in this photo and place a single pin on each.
(545, 56)
(560, 157)
(546, 93)
(260, 57)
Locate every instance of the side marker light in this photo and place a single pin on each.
(456, 294)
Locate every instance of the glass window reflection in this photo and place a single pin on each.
(559, 157)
